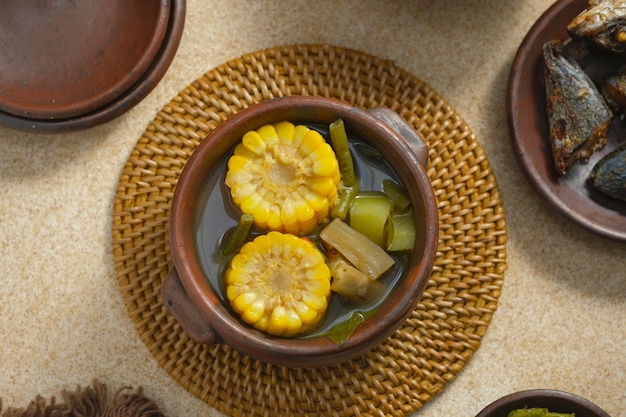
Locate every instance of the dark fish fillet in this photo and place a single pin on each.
(614, 90)
(578, 116)
(609, 174)
(603, 24)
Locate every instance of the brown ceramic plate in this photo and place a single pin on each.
(571, 195)
(554, 401)
(64, 58)
(125, 89)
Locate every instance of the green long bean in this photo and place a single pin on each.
(339, 139)
(238, 235)
(342, 208)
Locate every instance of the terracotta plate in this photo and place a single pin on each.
(570, 195)
(123, 100)
(64, 58)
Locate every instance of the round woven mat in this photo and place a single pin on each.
(434, 343)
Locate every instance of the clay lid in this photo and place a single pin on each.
(63, 58)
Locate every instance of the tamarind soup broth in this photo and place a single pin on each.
(216, 216)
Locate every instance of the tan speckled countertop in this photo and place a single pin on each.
(560, 320)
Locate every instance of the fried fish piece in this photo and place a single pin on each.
(578, 116)
(614, 90)
(603, 23)
(609, 174)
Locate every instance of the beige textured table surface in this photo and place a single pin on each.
(560, 320)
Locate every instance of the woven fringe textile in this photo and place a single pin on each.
(91, 401)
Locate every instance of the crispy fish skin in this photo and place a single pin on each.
(614, 90)
(609, 174)
(578, 116)
(603, 23)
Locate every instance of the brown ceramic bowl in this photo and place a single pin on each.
(69, 66)
(555, 401)
(198, 308)
(569, 195)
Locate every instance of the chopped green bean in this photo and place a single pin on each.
(238, 235)
(341, 209)
(397, 194)
(339, 139)
(537, 412)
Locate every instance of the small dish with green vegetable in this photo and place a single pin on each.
(542, 403)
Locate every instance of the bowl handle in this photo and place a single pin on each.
(184, 311)
(397, 123)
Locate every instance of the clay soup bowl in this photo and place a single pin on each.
(197, 307)
(553, 400)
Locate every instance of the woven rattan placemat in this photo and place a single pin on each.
(427, 351)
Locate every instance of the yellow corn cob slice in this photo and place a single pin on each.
(279, 283)
(285, 176)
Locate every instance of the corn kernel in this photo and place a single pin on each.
(322, 185)
(325, 167)
(310, 142)
(288, 214)
(251, 203)
(269, 134)
(307, 314)
(243, 301)
(273, 220)
(242, 151)
(286, 132)
(294, 322)
(254, 311)
(237, 162)
(254, 143)
(299, 135)
(262, 323)
(278, 321)
(316, 201)
(261, 214)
